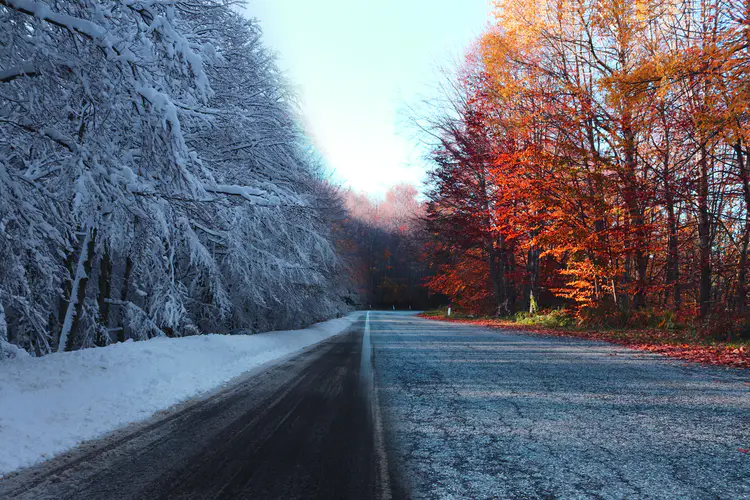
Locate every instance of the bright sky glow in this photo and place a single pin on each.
(357, 65)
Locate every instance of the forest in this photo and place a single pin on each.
(385, 241)
(227, 272)
(153, 178)
(588, 157)
(155, 181)
(594, 156)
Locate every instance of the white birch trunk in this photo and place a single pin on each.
(73, 302)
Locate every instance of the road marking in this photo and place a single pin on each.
(366, 369)
(366, 362)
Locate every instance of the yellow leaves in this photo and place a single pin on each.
(588, 108)
(516, 17)
(642, 9)
(523, 21)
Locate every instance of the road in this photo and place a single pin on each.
(449, 411)
(477, 413)
(301, 428)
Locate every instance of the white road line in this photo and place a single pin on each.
(367, 372)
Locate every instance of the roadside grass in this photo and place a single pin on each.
(659, 334)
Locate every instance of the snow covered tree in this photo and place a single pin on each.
(152, 177)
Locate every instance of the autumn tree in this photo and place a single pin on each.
(606, 144)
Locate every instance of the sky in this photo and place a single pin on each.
(358, 65)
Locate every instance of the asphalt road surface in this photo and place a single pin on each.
(476, 413)
(408, 408)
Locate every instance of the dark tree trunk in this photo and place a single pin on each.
(510, 288)
(124, 294)
(673, 257)
(631, 194)
(105, 288)
(497, 272)
(743, 164)
(704, 236)
(531, 295)
(502, 265)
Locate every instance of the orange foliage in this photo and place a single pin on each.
(598, 157)
(464, 281)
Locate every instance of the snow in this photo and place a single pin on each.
(10, 74)
(51, 404)
(9, 351)
(126, 132)
(248, 193)
(43, 11)
(163, 106)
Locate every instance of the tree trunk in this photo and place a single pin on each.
(510, 269)
(673, 258)
(105, 288)
(124, 294)
(743, 164)
(631, 195)
(532, 276)
(78, 293)
(704, 236)
(3, 324)
(497, 271)
(67, 288)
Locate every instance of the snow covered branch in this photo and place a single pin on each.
(45, 13)
(248, 193)
(48, 132)
(122, 158)
(10, 74)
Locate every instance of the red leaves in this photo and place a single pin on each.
(712, 355)
(628, 180)
(643, 340)
(465, 281)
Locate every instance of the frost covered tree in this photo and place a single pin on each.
(152, 177)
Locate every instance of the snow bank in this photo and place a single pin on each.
(50, 404)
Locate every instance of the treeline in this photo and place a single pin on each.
(384, 241)
(152, 178)
(596, 156)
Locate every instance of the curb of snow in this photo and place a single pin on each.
(52, 404)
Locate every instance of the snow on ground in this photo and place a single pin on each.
(49, 405)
